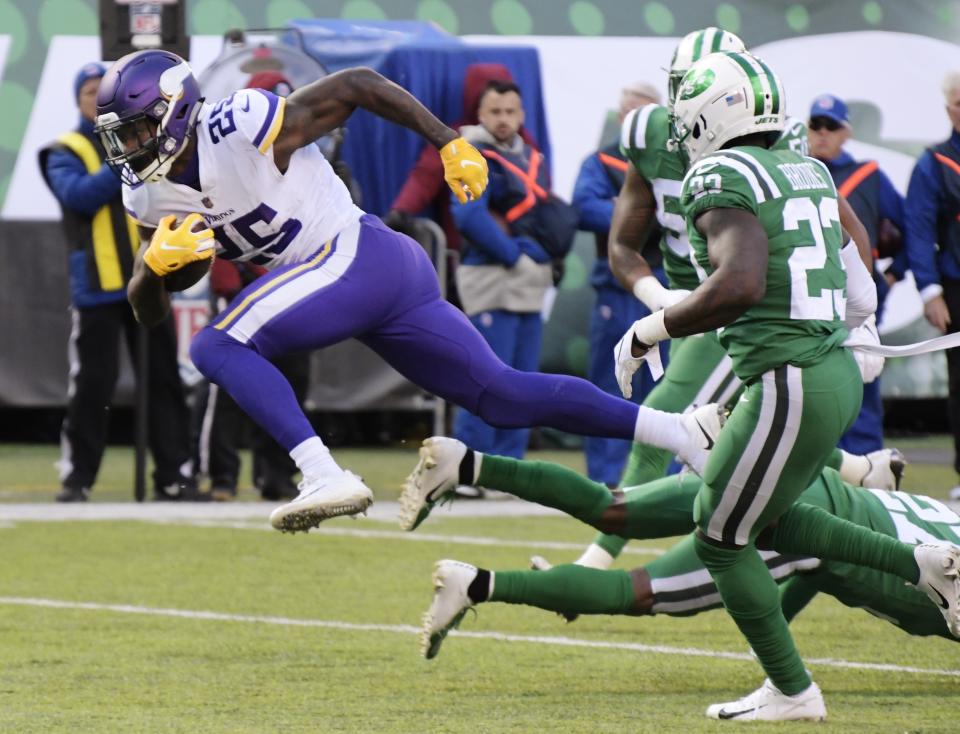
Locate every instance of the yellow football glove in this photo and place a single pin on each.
(464, 169)
(171, 249)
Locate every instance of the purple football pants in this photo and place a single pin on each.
(379, 286)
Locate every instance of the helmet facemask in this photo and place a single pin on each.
(138, 148)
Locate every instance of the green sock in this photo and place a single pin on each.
(751, 597)
(567, 589)
(806, 530)
(546, 484)
(644, 464)
(835, 459)
(612, 544)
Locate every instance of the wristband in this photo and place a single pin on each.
(649, 292)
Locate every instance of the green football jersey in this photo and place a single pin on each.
(912, 519)
(794, 137)
(799, 319)
(643, 141)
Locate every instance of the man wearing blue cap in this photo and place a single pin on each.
(874, 199)
(103, 243)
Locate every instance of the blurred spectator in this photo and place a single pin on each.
(875, 201)
(425, 193)
(103, 243)
(932, 240)
(596, 188)
(511, 236)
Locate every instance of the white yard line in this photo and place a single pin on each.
(418, 537)
(410, 630)
(253, 516)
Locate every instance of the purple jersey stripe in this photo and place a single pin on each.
(271, 111)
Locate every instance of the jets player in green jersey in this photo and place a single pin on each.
(676, 583)
(699, 371)
(764, 227)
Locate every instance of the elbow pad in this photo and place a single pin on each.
(861, 290)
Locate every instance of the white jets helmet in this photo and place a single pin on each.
(725, 96)
(693, 47)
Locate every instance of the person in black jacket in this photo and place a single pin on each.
(103, 243)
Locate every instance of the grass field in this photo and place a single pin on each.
(230, 627)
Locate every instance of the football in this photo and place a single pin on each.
(188, 275)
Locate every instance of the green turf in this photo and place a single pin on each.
(102, 671)
(105, 671)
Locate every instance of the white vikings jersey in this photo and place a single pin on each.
(257, 213)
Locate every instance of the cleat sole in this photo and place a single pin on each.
(303, 520)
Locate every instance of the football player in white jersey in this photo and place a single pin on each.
(246, 169)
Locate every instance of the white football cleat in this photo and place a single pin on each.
(767, 703)
(703, 426)
(434, 478)
(886, 470)
(321, 498)
(940, 579)
(451, 579)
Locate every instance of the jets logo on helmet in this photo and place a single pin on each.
(147, 107)
(693, 47)
(726, 96)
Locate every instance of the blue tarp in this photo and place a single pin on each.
(430, 64)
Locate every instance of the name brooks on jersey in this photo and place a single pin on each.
(803, 176)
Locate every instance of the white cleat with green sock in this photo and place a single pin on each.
(433, 479)
(321, 498)
(939, 565)
(767, 703)
(451, 580)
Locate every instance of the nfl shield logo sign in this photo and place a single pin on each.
(206, 202)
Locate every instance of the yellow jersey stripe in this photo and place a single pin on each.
(274, 127)
(234, 311)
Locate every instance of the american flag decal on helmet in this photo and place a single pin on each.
(733, 99)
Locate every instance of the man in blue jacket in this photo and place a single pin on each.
(596, 188)
(512, 234)
(873, 198)
(103, 243)
(932, 240)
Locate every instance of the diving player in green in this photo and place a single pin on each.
(676, 583)
(764, 226)
(699, 371)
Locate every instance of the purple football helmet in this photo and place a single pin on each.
(147, 108)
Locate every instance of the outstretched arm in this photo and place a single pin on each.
(316, 109)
